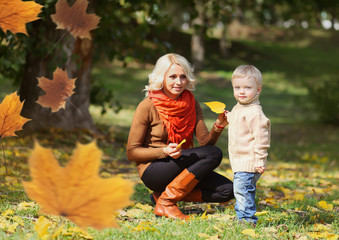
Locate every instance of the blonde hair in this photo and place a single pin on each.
(156, 78)
(248, 71)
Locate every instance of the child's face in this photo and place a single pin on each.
(244, 89)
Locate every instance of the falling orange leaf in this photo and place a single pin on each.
(76, 191)
(14, 14)
(75, 19)
(10, 118)
(57, 90)
(215, 106)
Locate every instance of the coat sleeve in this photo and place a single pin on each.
(202, 134)
(260, 127)
(136, 149)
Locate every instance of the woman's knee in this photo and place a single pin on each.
(223, 193)
(215, 155)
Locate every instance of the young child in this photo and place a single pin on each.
(248, 140)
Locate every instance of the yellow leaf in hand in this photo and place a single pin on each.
(215, 106)
(76, 191)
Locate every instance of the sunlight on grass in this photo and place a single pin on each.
(110, 118)
(280, 83)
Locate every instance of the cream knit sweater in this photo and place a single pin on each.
(249, 133)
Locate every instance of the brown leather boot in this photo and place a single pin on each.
(154, 197)
(194, 196)
(174, 192)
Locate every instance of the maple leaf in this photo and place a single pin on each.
(76, 191)
(14, 14)
(215, 106)
(75, 19)
(57, 90)
(10, 118)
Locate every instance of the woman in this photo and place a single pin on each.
(168, 115)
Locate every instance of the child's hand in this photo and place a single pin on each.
(222, 119)
(260, 169)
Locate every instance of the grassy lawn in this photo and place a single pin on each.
(297, 198)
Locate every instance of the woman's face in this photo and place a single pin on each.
(175, 81)
(244, 89)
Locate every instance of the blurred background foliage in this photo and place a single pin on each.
(206, 32)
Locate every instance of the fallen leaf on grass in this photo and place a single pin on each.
(77, 231)
(326, 206)
(14, 14)
(75, 19)
(10, 118)
(215, 106)
(134, 213)
(76, 191)
(57, 231)
(57, 90)
(326, 235)
(12, 227)
(18, 220)
(222, 217)
(145, 226)
(249, 232)
(7, 212)
(25, 205)
(261, 213)
(208, 237)
(144, 207)
(41, 226)
(320, 227)
(270, 230)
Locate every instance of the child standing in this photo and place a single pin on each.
(248, 140)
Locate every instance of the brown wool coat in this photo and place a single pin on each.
(148, 136)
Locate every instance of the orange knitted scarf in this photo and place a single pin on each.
(178, 116)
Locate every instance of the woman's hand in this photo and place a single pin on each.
(172, 150)
(222, 119)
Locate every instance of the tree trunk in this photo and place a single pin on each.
(198, 36)
(74, 56)
(223, 43)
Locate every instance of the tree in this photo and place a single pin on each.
(124, 27)
(199, 29)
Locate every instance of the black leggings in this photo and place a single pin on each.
(201, 161)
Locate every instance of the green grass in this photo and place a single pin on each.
(303, 159)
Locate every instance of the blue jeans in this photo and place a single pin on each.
(244, 184)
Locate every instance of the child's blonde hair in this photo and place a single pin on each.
(248, 71)
(156, 78)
